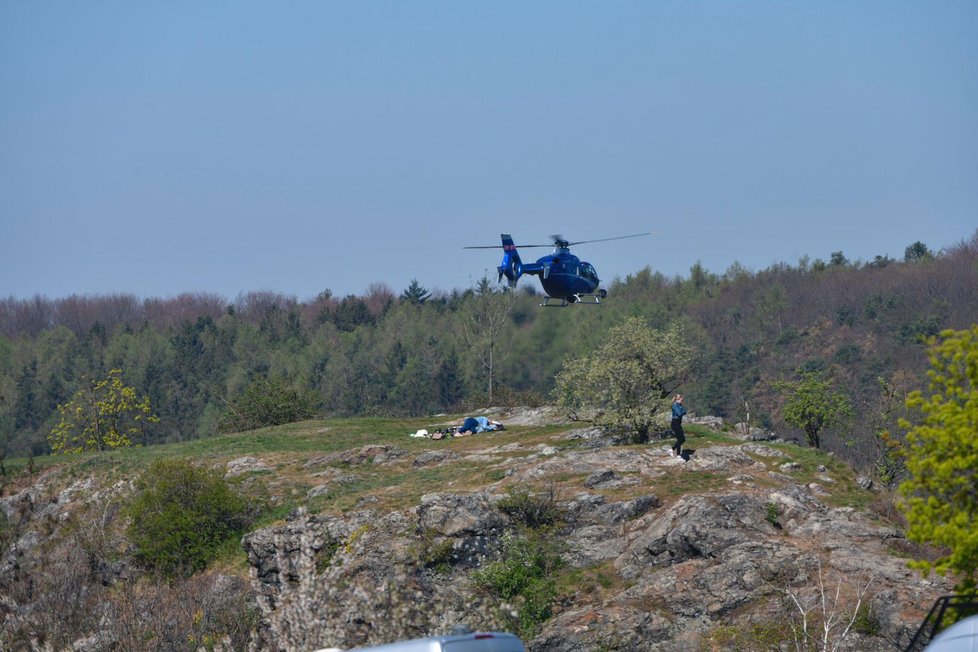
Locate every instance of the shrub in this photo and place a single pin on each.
(182, 515)
(268, 402)
(848, 354)
(437, 554)
(523, 576)
(531, 510)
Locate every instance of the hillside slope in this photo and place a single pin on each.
(392, 537)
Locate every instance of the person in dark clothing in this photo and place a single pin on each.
(677, 426)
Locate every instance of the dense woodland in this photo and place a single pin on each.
(413, 353)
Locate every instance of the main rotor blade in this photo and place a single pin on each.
(621, 237)
(569, 244)
(499, 246)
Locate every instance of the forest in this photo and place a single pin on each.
(861, 324)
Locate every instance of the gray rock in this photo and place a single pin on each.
(242, 465)
(596, 437)
(373, 454)
(714, 423)
(454, 515)
(762, 450)
(598, 478)
(435, 457)
(627, 510)
(722, 458)
(695, 527)
(752, 433)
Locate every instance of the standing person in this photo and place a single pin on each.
(677, 426)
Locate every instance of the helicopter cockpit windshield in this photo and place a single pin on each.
(587, 271)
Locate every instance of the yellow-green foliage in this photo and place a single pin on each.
(105, 414)
(942, 457)
(630, 376)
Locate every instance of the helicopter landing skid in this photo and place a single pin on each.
(586, 299)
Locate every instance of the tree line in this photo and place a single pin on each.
(858, 325)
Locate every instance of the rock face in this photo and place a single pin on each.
(685, 571)
(344, 582)
(660, 554)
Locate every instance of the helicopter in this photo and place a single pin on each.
(565, 278)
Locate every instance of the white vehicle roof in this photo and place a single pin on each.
(962, 636)
(471, 642)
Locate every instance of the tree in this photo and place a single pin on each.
(630, 376)
(814, 405)
(942, 458)
(415, 293)
(487, 314)
(351, 312)
(917, 252)
(103, 415)
(880, 261)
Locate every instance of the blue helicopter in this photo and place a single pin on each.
(565, 278)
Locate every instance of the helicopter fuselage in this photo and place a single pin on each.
(564, 276)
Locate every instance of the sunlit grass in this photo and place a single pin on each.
(397, 483)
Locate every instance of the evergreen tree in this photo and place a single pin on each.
(917, 252)
(415, 293)
(26, 407)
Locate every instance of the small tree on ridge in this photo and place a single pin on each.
(630, 377)
(814, 405)
(103, 415)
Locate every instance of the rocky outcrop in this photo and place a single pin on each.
(713, 558)
(682, 555)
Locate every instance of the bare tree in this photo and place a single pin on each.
(486, 316)
(824, 614)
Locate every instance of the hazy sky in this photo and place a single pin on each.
(162, 147)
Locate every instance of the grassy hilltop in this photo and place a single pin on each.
(345, 481)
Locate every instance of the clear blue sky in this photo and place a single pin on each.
(162, 147)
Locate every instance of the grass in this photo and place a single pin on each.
(397, 484)
(842, 492)
(702, 433)
(678, 484)
(748, 637)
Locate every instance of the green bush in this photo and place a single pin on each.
(182, 515)
(531, 510)
(437, 554)
(268, 402)
(523, 575)
(848, 354)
